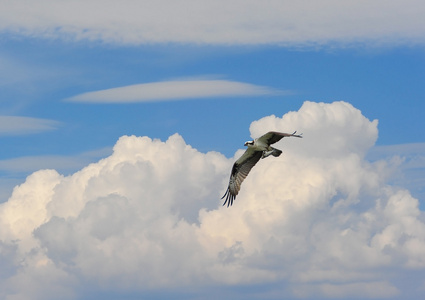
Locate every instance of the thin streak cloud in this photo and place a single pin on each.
(17, 125)
(62, 163)
(302, 22)
(175, 90)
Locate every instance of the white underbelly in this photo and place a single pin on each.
(258, 146)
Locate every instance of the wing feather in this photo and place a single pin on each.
(240, 171)
(272, 137)
(247, 161)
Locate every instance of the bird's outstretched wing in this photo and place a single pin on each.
(272, 137)
(240, 170)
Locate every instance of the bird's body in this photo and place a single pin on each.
(263, 146)
(258, 148)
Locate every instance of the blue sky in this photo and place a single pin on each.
(77, 77)
(384, 83)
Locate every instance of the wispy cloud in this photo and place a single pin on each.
(408, 162)
(16, 125)
(412, 149)
(175, 90)
(61, 163)
(219, 22)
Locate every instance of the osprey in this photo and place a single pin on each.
(258, 148)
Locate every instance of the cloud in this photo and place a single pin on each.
(408, 162)
(19, 167)
(303, 22)
(16, 125)
(320, 221)
(172, 90)
(62, 163)
(12, 71)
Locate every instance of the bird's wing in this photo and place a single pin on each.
(272, 137)
(240, 170)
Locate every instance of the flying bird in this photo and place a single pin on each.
(258, 148)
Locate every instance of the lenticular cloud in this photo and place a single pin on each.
(319, 221)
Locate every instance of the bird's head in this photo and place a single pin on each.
(249, 143)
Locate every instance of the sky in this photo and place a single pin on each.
(120, 122)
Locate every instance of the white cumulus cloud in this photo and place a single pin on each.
(302, 22)
(174, 90)
(320, 221)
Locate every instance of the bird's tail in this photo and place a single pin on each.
(275, 152)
